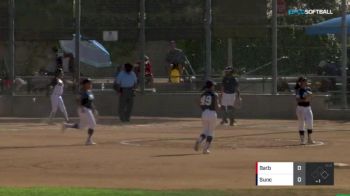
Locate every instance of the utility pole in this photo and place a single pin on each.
(142, 18)
(77, 15)
(344, 39)
(229, 52)
(11, 44)
(274, 47)
(208, 22)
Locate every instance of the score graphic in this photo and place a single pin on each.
(294, 173)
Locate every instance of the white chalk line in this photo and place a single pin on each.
(316, 143)
(135, 142)
(131, 142)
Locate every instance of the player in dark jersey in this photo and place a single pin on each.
(209, 106)
(86, 111)
(229, 95)
(303, 111)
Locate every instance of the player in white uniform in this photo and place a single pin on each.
(57, 87)
(209, 105)
(303, 111)
(86, 112)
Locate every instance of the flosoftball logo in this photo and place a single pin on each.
(309, 12)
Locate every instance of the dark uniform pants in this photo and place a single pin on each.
(126, 102)
(228, 113)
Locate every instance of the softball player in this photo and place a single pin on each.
(209, 106)
(56, 96)
(230, 92)
(86, 112)
(303, 111)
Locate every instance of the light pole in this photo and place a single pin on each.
(208, 22)
(274, 47)
(142, 18)
(11, 44)
(344, 54)
(77, 15)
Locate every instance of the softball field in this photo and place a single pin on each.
(157, 154)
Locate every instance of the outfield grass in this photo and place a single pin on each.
(112, 192)
(101, 192)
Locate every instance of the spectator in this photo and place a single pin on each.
(7, 84)
(148, 72)
(329, 69)
(175, 74)
(175, 56)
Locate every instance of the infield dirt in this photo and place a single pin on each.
(157, 153)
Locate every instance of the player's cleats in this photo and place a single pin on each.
(223, 122)
(233, 124)
(196, 146)
(310, 141)
(206, 151)
(89, 142)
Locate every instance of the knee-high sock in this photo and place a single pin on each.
(201, 138)
(90, 132)
(208, 142)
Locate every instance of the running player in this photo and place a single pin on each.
(56, 96)
(303, 111)
(209, 106)
(86, 111)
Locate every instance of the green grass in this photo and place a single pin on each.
(112, 192)
(101, 192)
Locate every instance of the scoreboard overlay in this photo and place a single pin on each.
(294, 173)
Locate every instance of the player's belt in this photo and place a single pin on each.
(303, 104)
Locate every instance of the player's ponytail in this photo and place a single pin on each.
(208, 85)
(297, 85)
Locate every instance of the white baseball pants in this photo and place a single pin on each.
(87, 118)
(209, 122)
(228, 99)
(305, 118)
(57, 103)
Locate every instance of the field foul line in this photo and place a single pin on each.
(135, 142)
(131, 142)
(317, 143)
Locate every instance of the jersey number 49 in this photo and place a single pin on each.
(206, 100)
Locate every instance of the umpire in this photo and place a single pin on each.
(230, 92)
(126, 83)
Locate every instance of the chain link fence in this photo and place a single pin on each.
(241, 36)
